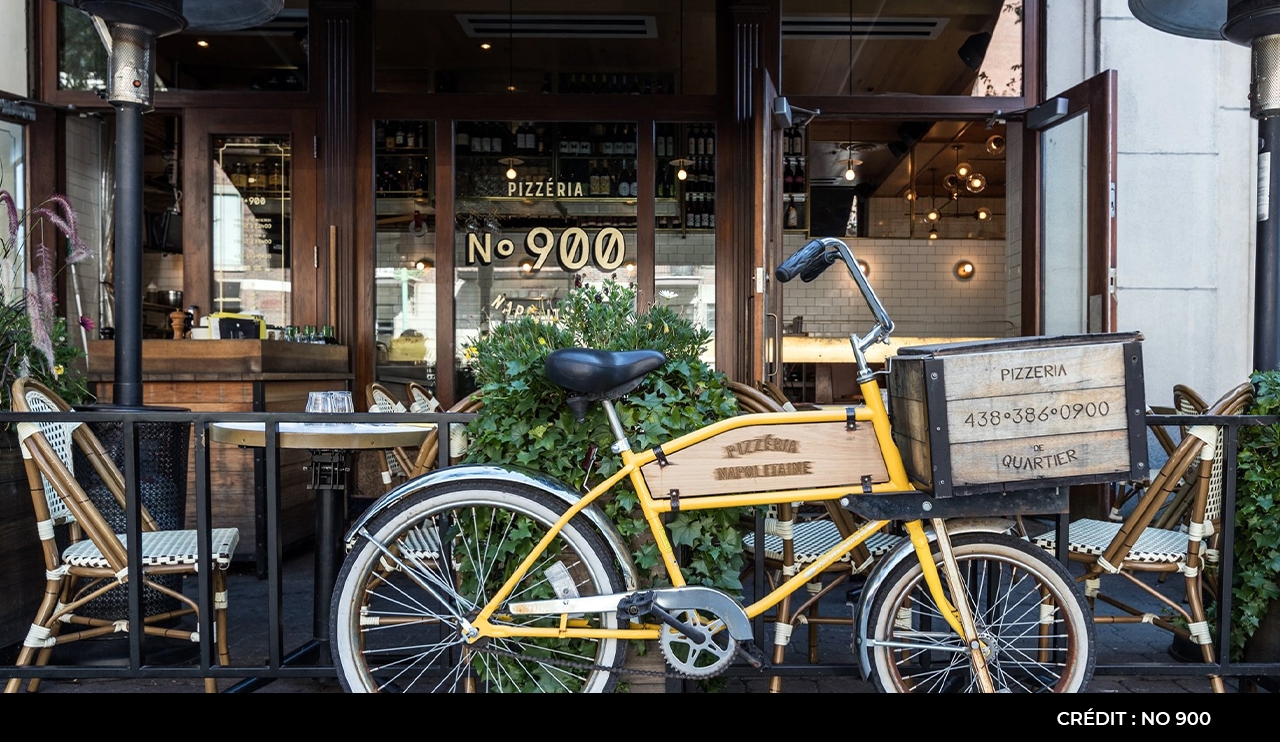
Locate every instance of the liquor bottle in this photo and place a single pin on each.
(389, 134)
(671, 142)
(711, 212)
(422, 136)
(584, 140)
(411, 138)
(661, 145)
(275, 177)
(240, 175)
(399, 135)
(624, 181)
(607, 144)
(593, 180)
(380, 136)
(701, 139)
(791, 217)
(541, 139)
(629, 139)
(635, 178)
(707, 176)
(693, 142)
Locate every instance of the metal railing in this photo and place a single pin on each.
(276, 663)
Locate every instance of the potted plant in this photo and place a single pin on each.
(34, 341)
(1255, 620)
(524, 419)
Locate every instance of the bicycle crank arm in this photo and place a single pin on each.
(669, 599)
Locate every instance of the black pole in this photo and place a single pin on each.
(127, 387)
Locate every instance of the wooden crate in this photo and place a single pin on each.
(1020, 413)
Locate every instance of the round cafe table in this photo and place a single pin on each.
(331, 445)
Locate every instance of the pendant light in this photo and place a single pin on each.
(933, 214)
(681, 163)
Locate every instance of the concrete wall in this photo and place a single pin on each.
(1186, 204)
(13, 48)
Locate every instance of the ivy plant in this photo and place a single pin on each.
(1257, 541)
(524, 419)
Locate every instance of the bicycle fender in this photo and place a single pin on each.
(905, 550)
(477, 473)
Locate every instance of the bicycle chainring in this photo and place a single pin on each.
(698, 659)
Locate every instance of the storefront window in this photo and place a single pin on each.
(405, 240)
(565, 47)
(269, 57)
(541, 207)
(685, 209)
(252, 221)
(933, 47)
(12, 179)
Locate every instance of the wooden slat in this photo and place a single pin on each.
(1048, 457)
(1033, 371)
(1028, 415)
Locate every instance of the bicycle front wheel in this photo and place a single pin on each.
(398, 615)
(1027, 610)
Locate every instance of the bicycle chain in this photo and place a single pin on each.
(589, 666)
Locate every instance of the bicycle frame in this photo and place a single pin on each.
(872, 411)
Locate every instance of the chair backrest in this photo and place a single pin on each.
(46, 448)
(420, 398)
(382, 400)
(1235, 402)
(31, 396)
(751, 399)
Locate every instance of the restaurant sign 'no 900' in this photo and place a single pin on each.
(572, 250)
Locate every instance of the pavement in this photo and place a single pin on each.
(1116, 645)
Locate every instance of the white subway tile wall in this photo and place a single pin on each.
(916, 281)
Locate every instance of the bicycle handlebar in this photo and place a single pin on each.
(811, 260)
(795, 265)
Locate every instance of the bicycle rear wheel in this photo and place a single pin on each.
(463, 541)
(1026, 608)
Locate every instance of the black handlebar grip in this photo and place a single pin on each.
(815, 267)
(792, 266)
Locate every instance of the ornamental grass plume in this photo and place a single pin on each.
(36, 339)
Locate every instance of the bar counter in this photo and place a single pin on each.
(237, 376)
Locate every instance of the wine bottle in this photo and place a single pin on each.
(624, 181)
(661, 145)
(711, 141)
(789, 179)
(635, 178)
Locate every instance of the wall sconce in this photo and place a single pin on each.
(526, 267)
(933, 232)
(995, 144)
(983, 214)
(864, 267)
(423, 264)
(964, 270)
(910, 195)
(511, 163)
(629, 266)
(681, 163)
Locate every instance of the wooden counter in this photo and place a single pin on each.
(823, 367)
(237, 376)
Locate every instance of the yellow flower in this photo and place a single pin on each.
(542, 341)
(58, 371)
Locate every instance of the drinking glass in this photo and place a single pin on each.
(320, 402)
(342, 402)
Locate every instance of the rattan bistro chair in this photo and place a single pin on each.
(395, 463)
(96, 561)
(795, 535)
(1125, 549)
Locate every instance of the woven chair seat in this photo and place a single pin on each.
(1154, 545)
(160, 548)
(422, 542)
(813, 539)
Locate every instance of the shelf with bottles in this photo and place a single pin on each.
(608, 83)
(401, 137)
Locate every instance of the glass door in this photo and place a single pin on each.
(1076, 223)
(249, 236)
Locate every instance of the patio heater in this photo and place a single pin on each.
(1256, 24)
(134, 26)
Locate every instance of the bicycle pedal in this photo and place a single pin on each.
(751, 654)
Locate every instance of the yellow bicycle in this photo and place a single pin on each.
(485, 578)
